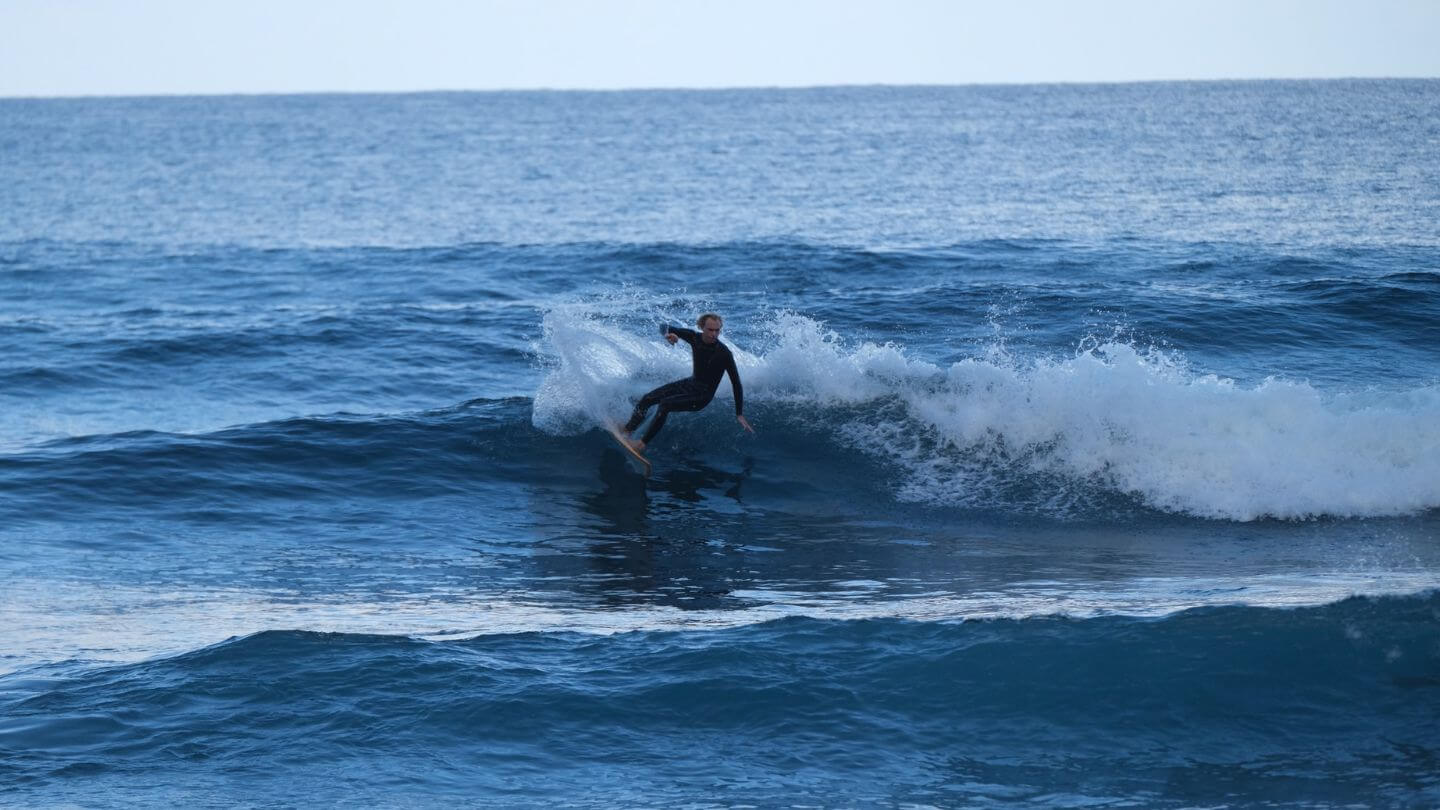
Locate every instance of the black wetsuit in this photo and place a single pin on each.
(711, 362)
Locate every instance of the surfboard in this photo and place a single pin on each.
(640, 462)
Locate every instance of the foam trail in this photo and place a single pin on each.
(1112, 418)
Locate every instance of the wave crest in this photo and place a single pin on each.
(1113, 418)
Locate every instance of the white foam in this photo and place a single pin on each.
(597, 364)
(1112, 417)
(59, 620)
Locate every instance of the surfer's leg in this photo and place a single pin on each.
(682, 402)
(639, 415)
(655, 425)
(649, 401)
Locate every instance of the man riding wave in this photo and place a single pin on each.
(711, 360)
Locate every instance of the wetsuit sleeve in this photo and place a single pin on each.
(687, 335)
(735, 385)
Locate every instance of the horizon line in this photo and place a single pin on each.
(702, 89)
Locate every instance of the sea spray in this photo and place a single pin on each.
(1113, 417)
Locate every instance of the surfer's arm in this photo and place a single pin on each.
(739, 396)
(737, 388)
(687, 335)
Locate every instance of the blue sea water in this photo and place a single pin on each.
(1097, 459)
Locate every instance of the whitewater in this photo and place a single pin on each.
(1110, 418)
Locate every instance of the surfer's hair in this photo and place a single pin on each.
(700, 321)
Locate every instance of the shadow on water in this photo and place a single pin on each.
(623, 503)
(656, 541)
(690, 484)
(629, 504)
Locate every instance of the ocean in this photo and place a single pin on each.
(1096, 457)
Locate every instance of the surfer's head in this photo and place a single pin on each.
(710, 325)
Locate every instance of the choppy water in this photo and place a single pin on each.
(1097, 459)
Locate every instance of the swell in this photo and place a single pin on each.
(377, 456)
(980, 438)
(467, 451)
(1029, 375)
(1337, 695)
(118, 311)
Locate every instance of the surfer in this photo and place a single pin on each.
(711, 360)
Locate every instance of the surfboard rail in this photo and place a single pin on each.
(620, 439)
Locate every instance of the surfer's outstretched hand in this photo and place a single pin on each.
(744, 423)
(672, 337)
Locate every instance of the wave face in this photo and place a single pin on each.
(1322, 706)
(1108, 431)
(1096, 459)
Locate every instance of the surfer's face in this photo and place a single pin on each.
(710, 332)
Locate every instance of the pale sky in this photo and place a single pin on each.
(144, 47)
